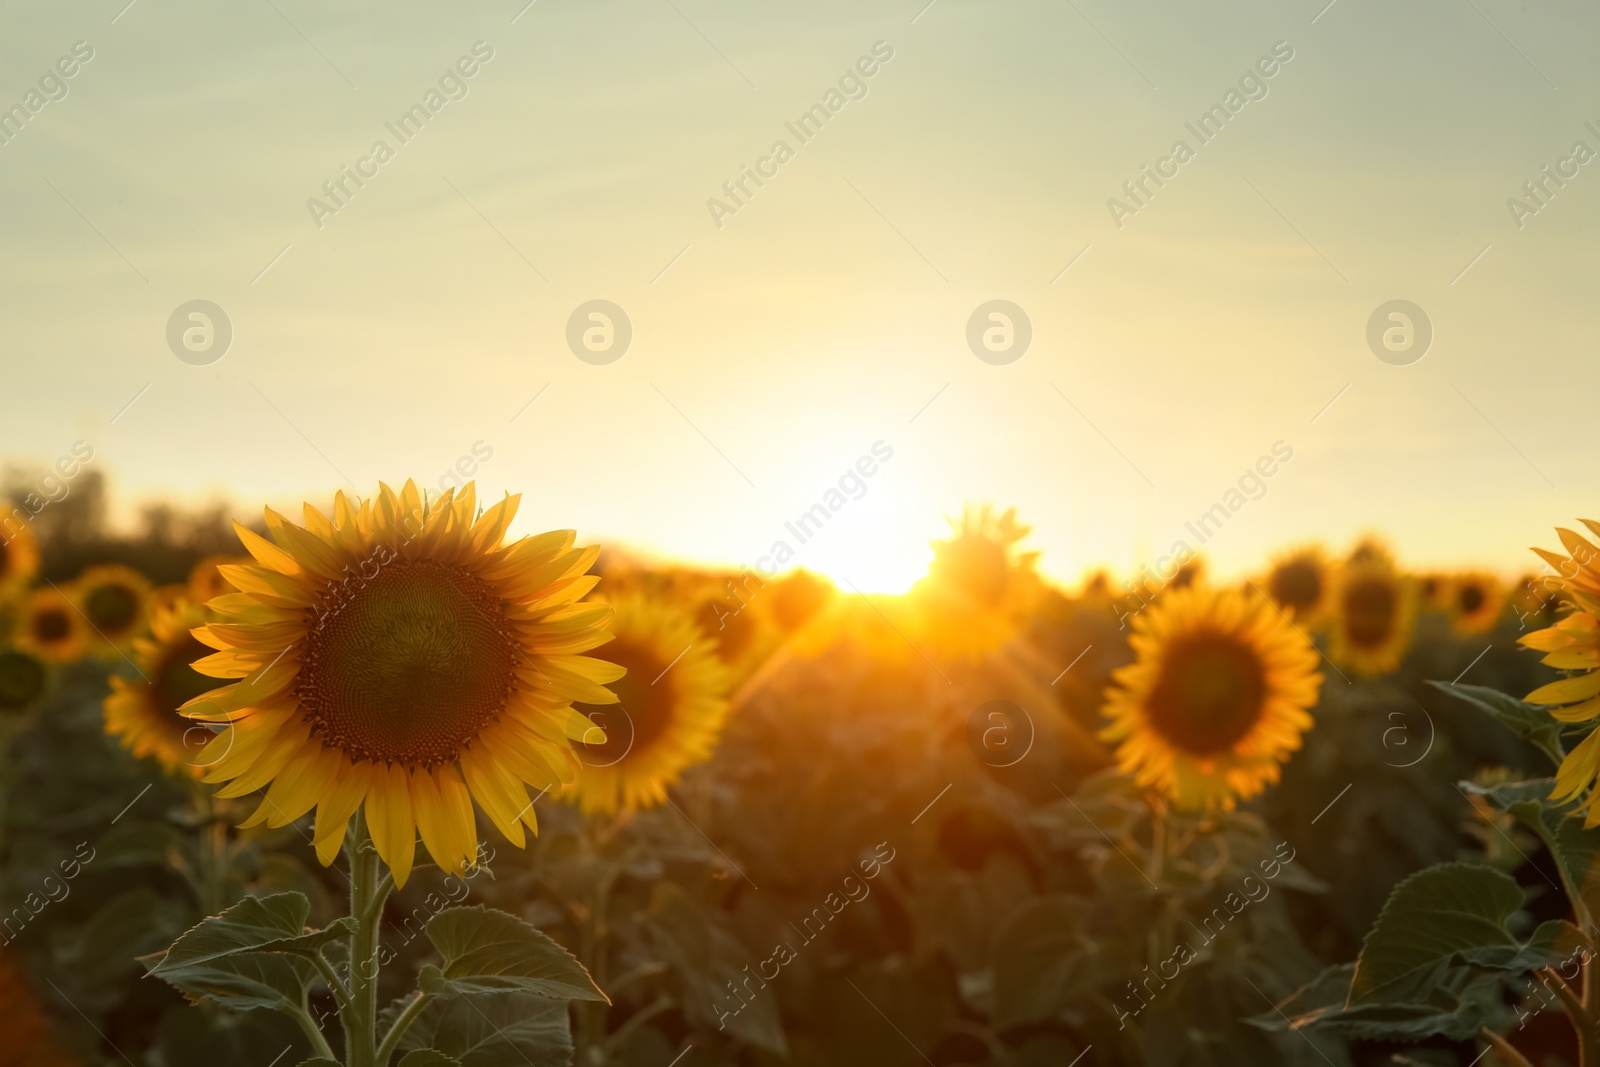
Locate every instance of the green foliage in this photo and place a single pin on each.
(1528, 721)
(489, 951)
(491, 1030)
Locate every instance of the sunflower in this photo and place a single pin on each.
(1433, 592)
(113, 599)
(670, 707)
(1373, 608)
(1191, 572)
(1476, 601)
(144, 713)
(206, 581)
(1216, 699)
(402, 659)
(1537, 599)
(797, 598)
(19, 558)
(24, 679)
(979, 589)
(52, 627)
(1299, 583)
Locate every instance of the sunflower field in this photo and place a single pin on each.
(379, 784)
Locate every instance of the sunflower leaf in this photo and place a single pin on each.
(428, 1057)
(1533, 724)
(1041, 963)
(1576, 850)
(275, 923)
(1319, 1006)
(486, 950)
(246, 980)
(491, 1030)
(1440, 918)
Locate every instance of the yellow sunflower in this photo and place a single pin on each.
(143, 713)
(797, 598)
(1537, 600)
(1476, 601)
(113, 599)
(206, 581)
(1373, 610)
(1573, 644)
(52, 627)
(670, 710)
(24, 679)
(1299, 583)
(1216, 700)
(402, 659)
(19, 558)
(978, 590)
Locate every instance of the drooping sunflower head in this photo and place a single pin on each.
(114, 600)
(979, 588)
(53, 627)
(1373, 610)
(1573, 644)
(24, 680)
(401, 658)
(143, 712)
(1476, 600)
(1217, 699)
(1299, 584)
(671, 703)
(19, 557)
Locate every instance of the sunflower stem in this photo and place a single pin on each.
(368, 889)
(402, 1023)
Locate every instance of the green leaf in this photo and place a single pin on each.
(493, 1030)
(428, 1057)
(273, 923)
(1041, 966)
(1320, 1006)
(1532, 724)
(246, 980)
(1576, 850)
(489, 951)
(320, 1061)
(1447, 914)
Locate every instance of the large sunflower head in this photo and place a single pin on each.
(114, 600)
(979, 588)
(402, 658)
(19, 557)
(1373, 609)
(1573, 644)
(1216, 700)
(143, 713)
(1476, 600)
(24, 680)
(52, 627)
(670, 707)
(1299, 584)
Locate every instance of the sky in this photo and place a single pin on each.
(1180, 334)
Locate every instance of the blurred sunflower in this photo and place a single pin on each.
(1476, 601)
(402, 659)
(979, 589)
(19, 558)
(1433, 592)
(670, 707)
(1573, 644)
(1216, 700)
(1537, 599)
(797, 598)
(24, 678)
(52, 627)
(206, 581)
(164, 598)
(1190, 572)
(1299, 583)
(143, 714)
(113, 599)
(1373, 609)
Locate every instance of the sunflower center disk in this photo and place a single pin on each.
(1471, 599)
(410, 667)
(21, 680)
(1297, 585)
(643, 711)
(1210, 694)
(1369, 607)
(112, 607)
(176, 682)
(51, 626)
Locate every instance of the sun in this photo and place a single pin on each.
(670, 707)
(1217, 699)
(401, 658)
